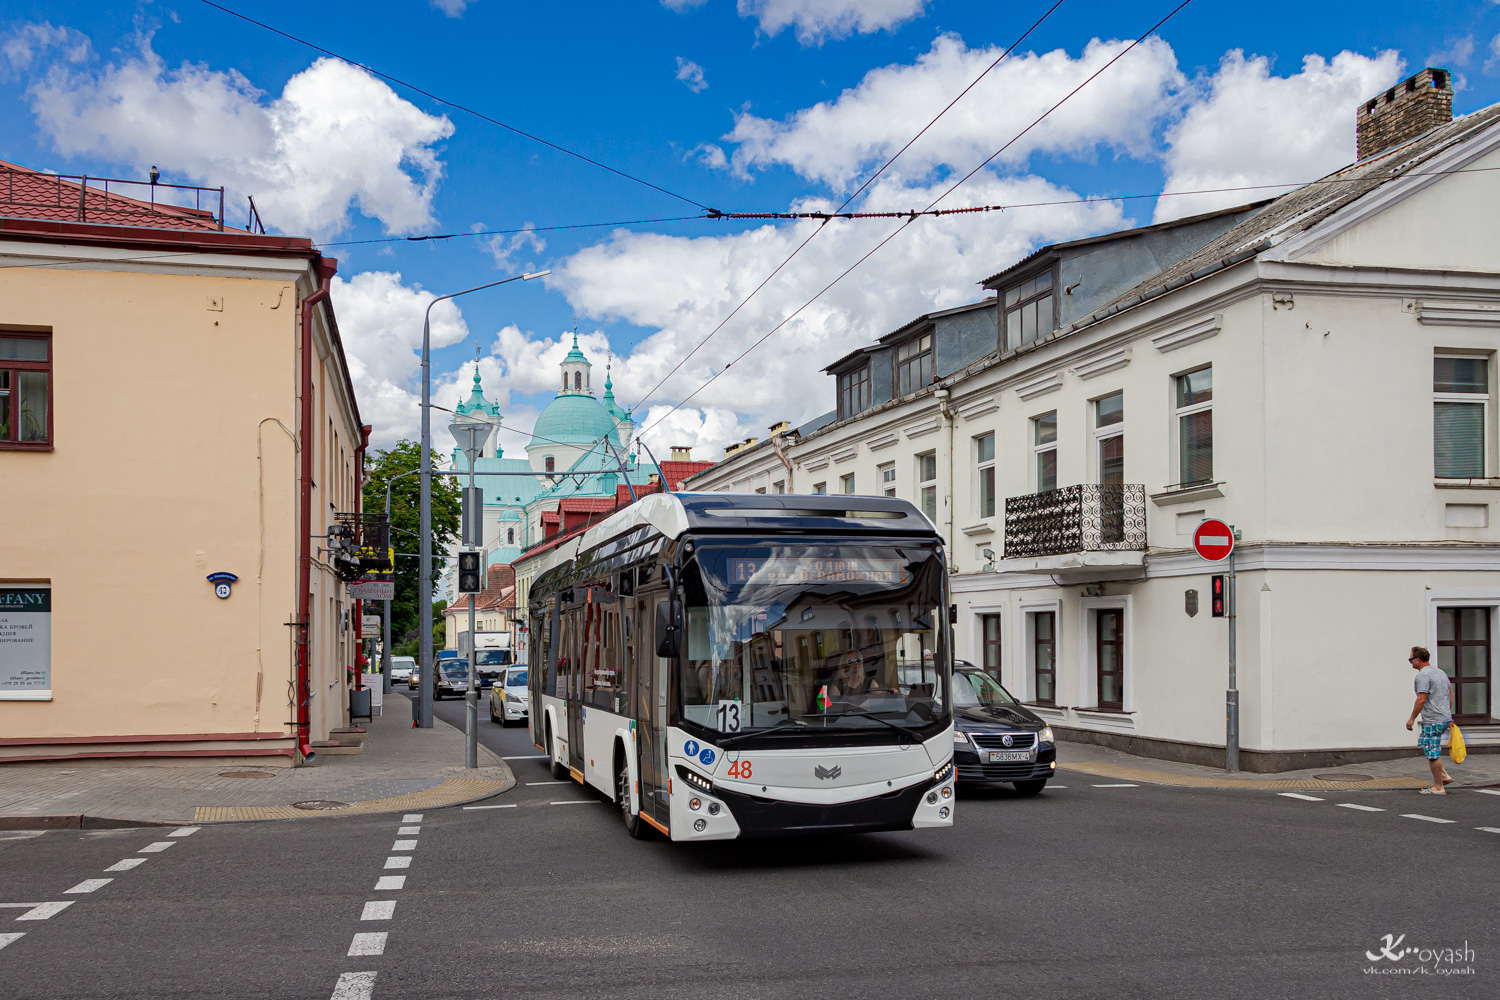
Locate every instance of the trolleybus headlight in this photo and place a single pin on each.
(932, 798)
(947, 791)
(695, 779)
(1046, 736)
(694, 804)
(713, 809)
(700, 825)
(943, 773)
(943, 813)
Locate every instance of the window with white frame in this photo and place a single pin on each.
(984, 465)
(1044, 445)
(820, 487)
(846, 484)
(888, 479)
(1460, 414)
(779, 486)
(927, 483)
(1195, 427)
(1109, 439)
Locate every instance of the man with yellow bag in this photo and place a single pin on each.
(1433, 705)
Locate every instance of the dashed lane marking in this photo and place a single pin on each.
(408, 831)
(389, 882)
(1118, 785)
(45, 911)
(531, 783)
(576, 802)
(529, 756)
(1488, 829)
(412, 818)
(354, 986)
(404, 845)
(6, 939)
(400, 861)
(508, 805)
(1298, 797)
(186, 831)
(127, 864)
(379, 909)
(89, 885)
(21, 834)
(1426, 819)
(1355, 805)
(368, 944)
(1487, 791)
(156, 848)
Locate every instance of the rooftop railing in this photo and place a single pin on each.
(80, 198)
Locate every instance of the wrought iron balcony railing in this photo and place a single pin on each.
(1088, 518)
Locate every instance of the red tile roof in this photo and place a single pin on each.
(31, 194)
(586, 505)
(676, 472)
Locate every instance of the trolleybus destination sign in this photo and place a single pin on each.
(783, 572)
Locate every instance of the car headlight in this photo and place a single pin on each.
(512, 698)
(959, 736)
(1046, 736)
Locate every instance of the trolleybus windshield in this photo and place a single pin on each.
(802, 635)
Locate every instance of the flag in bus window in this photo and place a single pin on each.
(823, 701)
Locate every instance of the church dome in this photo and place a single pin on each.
(571, 419)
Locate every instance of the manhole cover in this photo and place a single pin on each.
(1343, 777)
(319, 804)
(244, 774)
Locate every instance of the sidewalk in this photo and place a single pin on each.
(400, 769)
(1404, 772)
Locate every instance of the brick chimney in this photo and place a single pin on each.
(682, 453)
(1415, 105)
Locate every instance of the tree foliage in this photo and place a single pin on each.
(383, 467)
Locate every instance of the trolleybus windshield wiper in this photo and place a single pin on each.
(730, 741)
(868, 715)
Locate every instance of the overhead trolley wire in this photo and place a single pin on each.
(713, 214)
(455, 105)
(912, 218)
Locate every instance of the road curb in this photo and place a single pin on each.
(449, 793)
(77, 821)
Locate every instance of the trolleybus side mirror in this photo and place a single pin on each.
(669, 629)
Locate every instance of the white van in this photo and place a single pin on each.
(402, 667)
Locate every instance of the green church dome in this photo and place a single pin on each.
(572, 419)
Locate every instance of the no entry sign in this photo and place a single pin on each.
(1213, 540)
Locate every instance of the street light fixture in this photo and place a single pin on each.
(424, 598)
(472, 436)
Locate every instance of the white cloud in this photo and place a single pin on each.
(532, 364)
(691, 75)
(682, 5)
(504, 247)
(335, 138)
(1456, 54)
(817, 20)
(706, 431)
(836, 141)
(1248, 127)
(25, 45)
(453, 8)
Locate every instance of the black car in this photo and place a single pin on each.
(450, 676)
(996, 738)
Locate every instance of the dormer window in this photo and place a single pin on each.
(854, 392)
(1030, 311)
(914, 368)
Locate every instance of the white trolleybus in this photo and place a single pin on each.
(730, 666)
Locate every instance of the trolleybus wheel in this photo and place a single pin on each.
(633, 824)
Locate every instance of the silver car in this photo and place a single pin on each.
(510, 701)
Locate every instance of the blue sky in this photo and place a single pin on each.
(755, 105)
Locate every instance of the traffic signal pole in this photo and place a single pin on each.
(1232, 696)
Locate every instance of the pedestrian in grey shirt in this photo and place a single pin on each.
(1432, 687)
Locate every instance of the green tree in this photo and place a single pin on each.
(384, 467)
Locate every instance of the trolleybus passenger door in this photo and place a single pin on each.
(651, 715)
(582, 652)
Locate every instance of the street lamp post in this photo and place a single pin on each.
(424, 580)
(472, 436)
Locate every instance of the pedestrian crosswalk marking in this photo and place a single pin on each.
(1488, 829)
(354, 986)
(1352, 805)
(1426, 819)
(1299, 797)
(89, 885)
(45, 911)
(398, 862)
(1118, 785)
(368, 944)
(379, 909)
(127, 864)
(156, 848)
(6, 939)
(1488, 791)
(186, 831)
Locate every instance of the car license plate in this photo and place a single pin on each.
(1001, 756)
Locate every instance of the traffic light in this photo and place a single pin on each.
(468, 573)
(1217, 590)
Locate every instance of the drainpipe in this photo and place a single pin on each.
(359, 505)
(941, 396)
(781, 454)
(326, 266)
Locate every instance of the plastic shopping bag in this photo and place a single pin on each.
(1456, 749)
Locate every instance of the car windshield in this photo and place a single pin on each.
(834, 635)
(454, 668)
(516, 679)
(492, 657)
(975, 688)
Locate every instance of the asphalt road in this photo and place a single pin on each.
(1084, 891)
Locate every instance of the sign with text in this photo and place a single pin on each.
(782, 572)
(1213, 540)
(369, 627)
(25, 643)
(373, 590)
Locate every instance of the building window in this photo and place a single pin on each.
(820, 487)
(551, 463)
(578, 380)
(846, 484)
(510, 536)
(1109, 439)
(984, 457)
(913, 364)
(991, 625)
(778, 487)
(1195, 427)
(1044, 656)
(1109, 657)
(1460, 413)
(888, 479)
(927, 484)
(1044, 444)
(1463, 649)
(854, 392)
(25, 390)
(1029, 311)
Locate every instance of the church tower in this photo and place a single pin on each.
(477, 408)
(575, 372)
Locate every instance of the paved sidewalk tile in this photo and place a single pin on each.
(401, 769)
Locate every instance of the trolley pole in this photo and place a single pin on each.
(1232, 696)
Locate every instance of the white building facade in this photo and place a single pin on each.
(1319, 372)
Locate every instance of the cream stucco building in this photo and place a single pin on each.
(180, 430)
(1319, 371)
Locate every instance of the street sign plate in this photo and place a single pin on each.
(1213, 540)
(373, 590)
(369, 627)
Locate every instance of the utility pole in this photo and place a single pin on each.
(1232, 696)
